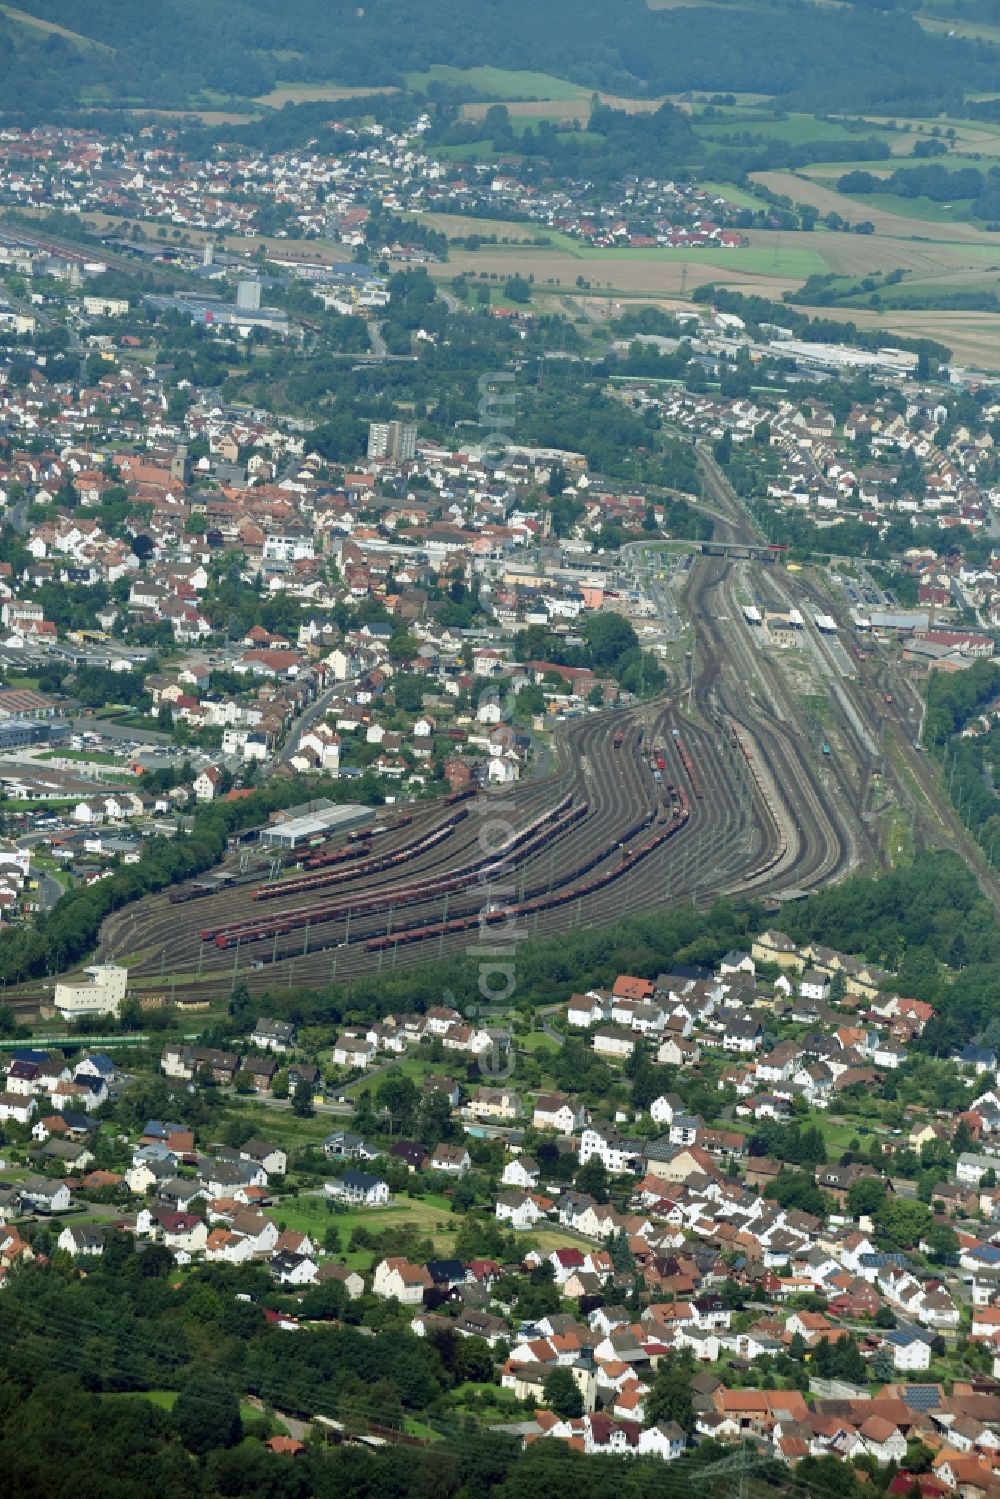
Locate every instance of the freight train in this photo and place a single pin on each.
(687, 763)
(547, 901)
(547, 826)
(376, 865)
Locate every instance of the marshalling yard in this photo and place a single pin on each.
(722, 786)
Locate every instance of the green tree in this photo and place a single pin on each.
(918, 1456)
(592, 1178)
(400, 1097)
(942, 1244)
(903, 1223)
(206, 1414)
(302, 1100)
(865, 1196)
(556, 481)
(670, 1397)
(609, 637)
(562, 1394)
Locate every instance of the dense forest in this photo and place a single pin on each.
(962, 733)
(848, 57)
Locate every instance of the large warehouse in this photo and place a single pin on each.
(300, 826)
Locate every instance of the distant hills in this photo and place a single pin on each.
(62, 54)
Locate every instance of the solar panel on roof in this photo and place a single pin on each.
(922, 1397)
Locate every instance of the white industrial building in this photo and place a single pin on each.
(314, 821)
(99, 991)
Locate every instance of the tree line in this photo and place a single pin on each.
(934, 181)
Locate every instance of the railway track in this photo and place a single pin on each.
(826, 836)
(764, 822)
(626, 805)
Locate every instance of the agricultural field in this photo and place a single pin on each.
(970, 30)
(971, 137)
(974, 337)
(933, 243)
(925, 210)
(311, 93)
(795, 130)
(803, 189)
(670, 273)
(530, 111)
(500, 83)
(460, 225)
(568, 110)
(49, 28)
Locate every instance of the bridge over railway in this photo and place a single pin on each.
(765, 552)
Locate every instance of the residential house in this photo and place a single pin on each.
(360, 1188)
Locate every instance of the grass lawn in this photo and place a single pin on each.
(904, 164)
(787, 261)
(166, 1400)
(500, 83)
(416, 1067)
(415, 1428)
(932, 288)
(537, 1041)
(736, 195)
(93, 757)
(817, 705)
(547, 1239)
(793, 263)
(796, 130)
(926, 210)
(139, 721)
(970, 30)
(278, 1125)
(583, 137)
(483, 1402)
(838, 1133)
(471, 151)
(899, 838)
(430, 1216)
(49, 28)
(49, 804)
